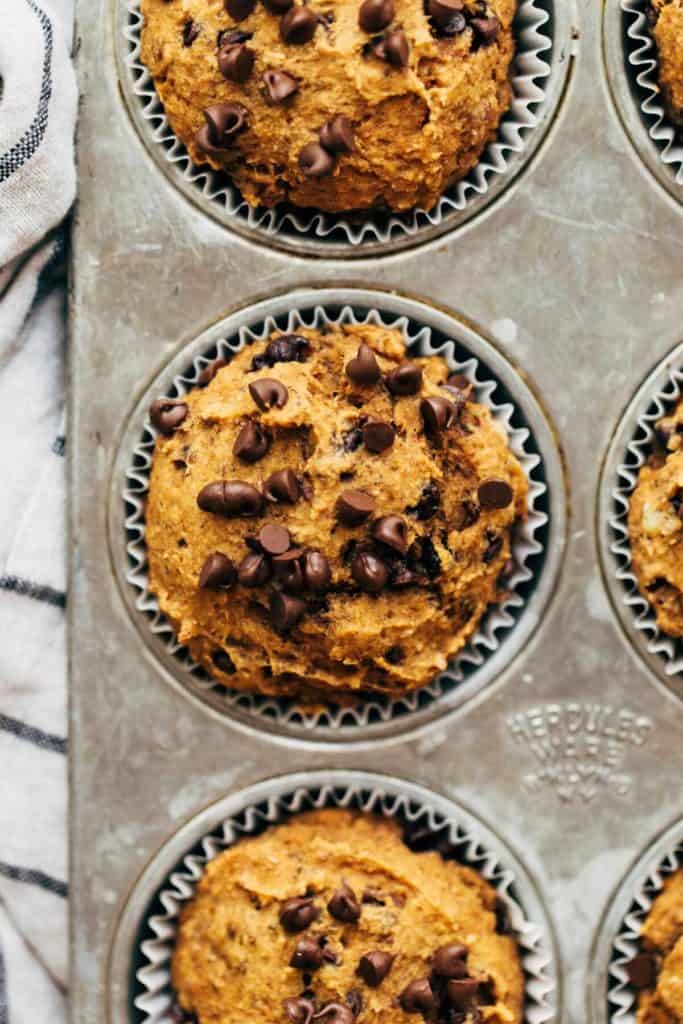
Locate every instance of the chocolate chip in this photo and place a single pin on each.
(374, 15)
(287, 569)
(343, 905)
(462, 992)
(297, 913)
(392, 531)
(230, 498)
(418, 997)
(429, 503)
(354, 507)
(315, 161)
(395, 655)
(336, 135)
(253, 570)
(282, 486)
(239, 9)
(309, 954)
(280, 85)
(224, 122)
(503, 924)
(372, 896)
(299, 1010)
(274, 539)
(494, 493)
(190, 32)
(335, 1013)
(406, 379)
(485, 30)
(458, 381)
(278, 6)
(467, 515)
(423, 557)
(298, 26)
(437, 415)
(166, 414)
(374, 967)
(210, 371)
(268, 393)
(251, 443)
(394, 48)
(363, 369)
(218, 572)
(642, 970)
(236, 63)
(443, 11)
(223, 662)
(449, 961)
(378, 436)
(354, 1001)
(493, 548)
(288, 348)
(369, 572)
(232, 37)
(317, 572)
(352, 440)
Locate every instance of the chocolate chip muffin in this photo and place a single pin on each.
(332, 917)
(339, 104)
(657, 971)
(656, 526)
(325, 516)
(666, 20)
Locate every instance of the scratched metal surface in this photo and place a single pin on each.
(573, 752)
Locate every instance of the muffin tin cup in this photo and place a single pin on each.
(543, 33)
(144, 942)
(426, 333)
(614, 999)
(629, 450)
(632, 63)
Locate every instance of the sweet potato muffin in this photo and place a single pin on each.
(666, 19)
(657, 971)
(337, 104)
(331, 917)
(326, 516)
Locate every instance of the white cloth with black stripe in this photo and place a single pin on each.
(37, 186)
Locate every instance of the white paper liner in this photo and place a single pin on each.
(622, 997)
(642, 66)
(529, 75)
(155, 1002)
(669, 649)
(526, 545)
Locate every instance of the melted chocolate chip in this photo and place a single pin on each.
(485, 30)
(443, 11)
(239, 9)
(438, 414)
(253, 570)
(406, 379)
(336, 135)
(374, 967)
(236, 63)
(354, 507)
(280, 85)
(418, 997)
(429, 503)
(282, 486)
(493, 548)
(298, 26)
(352, 439)
(462, 992)
(190, 32)
(423, 557)
(343, 905)
(494, 493)
(299, 1010)
(369, 572)
(642, 970)
(374, 15)
(335, 1013)
(393, 48)
(288, 348)
(449, 961)
(252, 442)
(297, 913)
(309, 954)
(210, 371)
(268, 393)
(364, 369)
(315, 161)
(287, 569)
(378, 436)
(223, 662)
(218, 572)
(392, 531)
(166, 414)
(224, 122)
(230, 498)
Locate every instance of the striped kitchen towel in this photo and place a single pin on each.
(37, 186)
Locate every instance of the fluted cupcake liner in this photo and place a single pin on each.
(637, 894)
(661, 394)
(642, 65)
(527, 540)
(294, 227)
(469, 842)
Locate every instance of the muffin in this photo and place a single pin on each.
(331, 917)
(657, 971)
(338, 105)
(325, 516)
(666, 19)
(656, 527)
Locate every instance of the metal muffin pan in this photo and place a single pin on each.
(574, 277)
(537, 546)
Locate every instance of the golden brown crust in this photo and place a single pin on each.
(232, 953)
(662, 936)
(656, 528)
(668, 35)
(351, 640)
(417, 129)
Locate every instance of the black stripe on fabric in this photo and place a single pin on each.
(37, 591)
(29, 876)
(4, 1008)
(59, 445)
(24, 149)
(30, 733)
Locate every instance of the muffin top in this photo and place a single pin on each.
(340, 105)
(657, 972)
(331, 917)
(326, 516)
(656, 527)
(667, 28)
